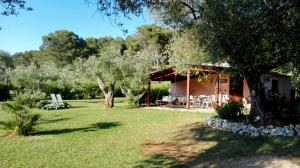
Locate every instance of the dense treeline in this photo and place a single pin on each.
(87, 68)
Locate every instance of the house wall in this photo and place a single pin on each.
(209, 86)
(206, 87)
(284, 85)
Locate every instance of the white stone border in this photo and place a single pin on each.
(248, 129)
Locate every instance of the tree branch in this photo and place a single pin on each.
(193, 11)
(101, 85)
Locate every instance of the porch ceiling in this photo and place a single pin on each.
(166, 75)
(170, 75)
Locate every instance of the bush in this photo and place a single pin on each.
(231, 111)
(83, 90)
(280, 110)
(158, 90)
(90, 89)
(24, 121)
(4, 91)
(31, 99)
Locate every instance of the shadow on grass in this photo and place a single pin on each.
(198, 146)
(43, 121)
(86, 101)
(159, 161)
(92, 127)
(74, 106)
(229, 146)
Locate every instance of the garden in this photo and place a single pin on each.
(89, 135)
(81, 101)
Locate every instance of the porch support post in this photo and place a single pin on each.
(148, 98)
(218, 92)
(188, 82)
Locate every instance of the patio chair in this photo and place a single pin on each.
(198, 101)
(169, 100)
(181, 100)
(206, 102)
(192, 100)
(61, 102)
(225, 98)
(53, 105)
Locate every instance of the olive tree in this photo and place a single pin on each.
(107, 70)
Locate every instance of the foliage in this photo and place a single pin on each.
(30, 99)
(281, 111)
(152, 39)
(97, 44)
(27, 58)
(158, 90)
(11, 7)
(31, 77)
(107, 69)
(65, 46)
(4, 91)
(5, 65)
(184, 50)
(232, 110)
(24, 121)
(5, 60)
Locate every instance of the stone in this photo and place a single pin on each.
(270, 126)
(248, 129)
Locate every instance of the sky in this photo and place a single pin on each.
(25, 31)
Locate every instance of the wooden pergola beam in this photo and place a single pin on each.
(148, 99)
(188, 83)
(164, 75)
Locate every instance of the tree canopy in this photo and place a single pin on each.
(65, 46)
(11, 7)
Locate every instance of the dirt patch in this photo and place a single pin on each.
(187, 150)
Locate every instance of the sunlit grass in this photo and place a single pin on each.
(89, 135)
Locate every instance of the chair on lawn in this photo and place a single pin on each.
(56, 102)
(61, 102)
(53, 105)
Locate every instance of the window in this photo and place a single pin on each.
(274, 86)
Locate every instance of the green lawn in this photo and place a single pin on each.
(88, 135)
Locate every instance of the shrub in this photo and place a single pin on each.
(281, 110)
(158, 90)
(31, 99)
(230, 111)
(85, 89)
(4, 91)
(24, 121)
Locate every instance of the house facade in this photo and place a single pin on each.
(216, 81)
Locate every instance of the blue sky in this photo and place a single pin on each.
(24, 32)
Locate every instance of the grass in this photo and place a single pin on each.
(88, 135)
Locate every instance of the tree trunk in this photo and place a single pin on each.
(258, 97)
(109, 98)
(108, 92)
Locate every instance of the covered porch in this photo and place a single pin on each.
(200, 87)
